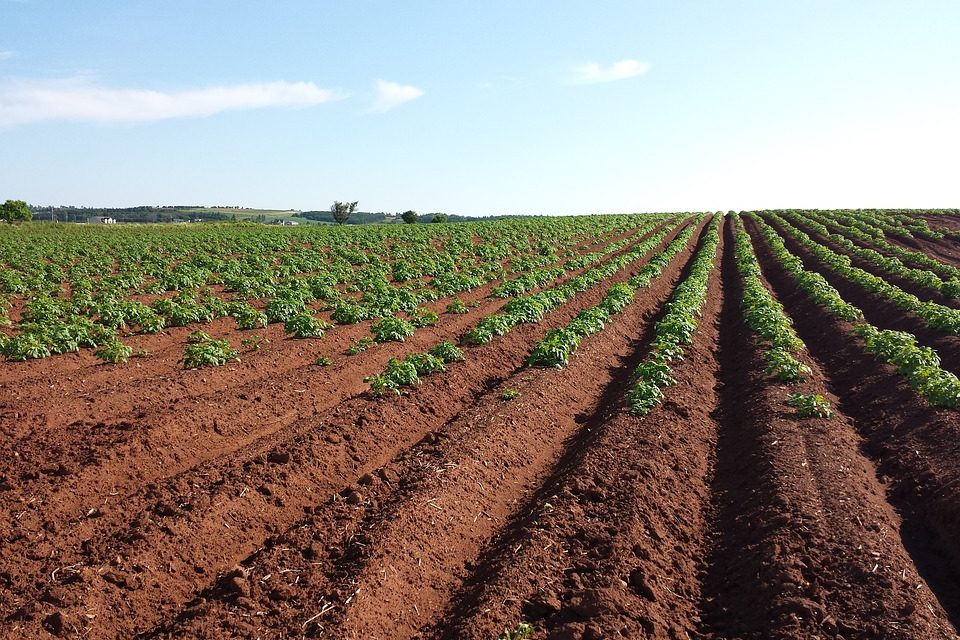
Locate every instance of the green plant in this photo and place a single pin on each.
(783, 366)
(381, 385)
(403, 373)
(324, 361)
(115, 352)
(304, 325)
(509, 394)
(247, 316)
(360, 346)
(523, 631)
(392, 328)
(199, 337)
(208, 353)
(447, 352)
(675, 329)
(457, 306)
(424, 318)
(810, 406)
(253, 343)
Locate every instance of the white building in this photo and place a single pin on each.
(101, 220)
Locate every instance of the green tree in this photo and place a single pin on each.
(410, 217)
(341, 211)
(439, 217)
(15, 211)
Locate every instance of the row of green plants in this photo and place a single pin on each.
(920, 366)
(811, 283)
(869, 237)
(766, 317)
(556, 347)
(675, 329)
(70, 276)
(524, 309)
(532, 308)
(933, 315)
(769, 321)
(408, 371)
(889, 265)
(896, 224)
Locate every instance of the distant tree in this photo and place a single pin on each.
(341, 211)
(439, 217)
(410, 217)
(15, 211)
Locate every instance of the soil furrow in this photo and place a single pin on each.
(608, 545)
(450, 479)
(166, 541)
(158, 380)
(81, 461)
(913, 446)
(804, 543)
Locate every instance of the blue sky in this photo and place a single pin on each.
(481, 107)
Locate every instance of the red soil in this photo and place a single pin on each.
(275, 499)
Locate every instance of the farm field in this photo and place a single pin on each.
(666, 426)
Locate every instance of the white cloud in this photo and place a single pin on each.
(6, 55)
(77, 99)
(593, 73)
(393, 94)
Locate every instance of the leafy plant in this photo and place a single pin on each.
(509, 394)
(208, 353)
(381, 385)
(457, 306)
(523, 631)
(324, 361)
(360, 346)
(115, 352)
(447, 352)
(392, 328)
(304, 325)
(810, 406)
(675, 329)
(424, 318)
(253, 343)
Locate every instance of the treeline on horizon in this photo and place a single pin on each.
(147, 214)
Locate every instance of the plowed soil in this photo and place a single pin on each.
(278, 499)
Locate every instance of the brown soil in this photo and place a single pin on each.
(277, 500)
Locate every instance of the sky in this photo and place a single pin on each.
(481, 108)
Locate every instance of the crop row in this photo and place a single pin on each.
(555, 349)
(766, 317)
(527, 309)
(675, 329)
(920, 366)
(868, 236)
(66, 310)
(531, 308)
(887, 264)
(936, 316)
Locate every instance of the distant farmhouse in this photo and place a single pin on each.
(101, 220)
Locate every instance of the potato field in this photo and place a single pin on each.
(627, 426)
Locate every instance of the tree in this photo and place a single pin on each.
(15, 211)
(410, 217)
(341, 211)
(439, 217)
